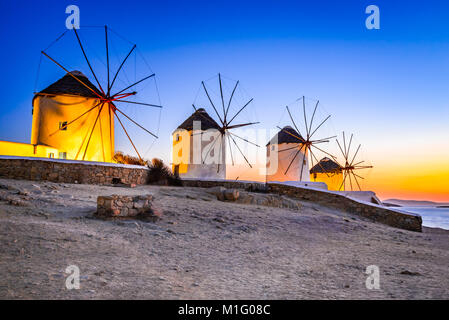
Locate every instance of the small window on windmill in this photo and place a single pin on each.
(272, 148)
(63, 125)
(51, 155)
(177, 137)
(304, 161)
(63, 155)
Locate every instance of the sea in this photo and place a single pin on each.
(431, 216)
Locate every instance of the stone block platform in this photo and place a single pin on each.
(116, 206)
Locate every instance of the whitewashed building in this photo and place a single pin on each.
(284, 163)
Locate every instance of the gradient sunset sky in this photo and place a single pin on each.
(390, 86)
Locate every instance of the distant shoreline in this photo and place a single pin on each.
(391, 205)
(414, 203)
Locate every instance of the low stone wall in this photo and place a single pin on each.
(69, 171)
(124, 206)
(228, 184)
(372, 212)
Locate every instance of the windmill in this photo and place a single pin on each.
(107, 95)
(351, 164)
(226, 122)
(306, 144)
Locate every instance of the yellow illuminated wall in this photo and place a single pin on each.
(186, 149)
(52, 111)
(333, 180)
(181, 144)
(8, 148)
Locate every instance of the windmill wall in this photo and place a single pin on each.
(332, 180)
(187, 156)
(283, 159)
(50, 111)
(8, 148)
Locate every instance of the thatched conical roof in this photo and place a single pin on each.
(286, 135)
(199, 115)
(69, 85)
(326, 165)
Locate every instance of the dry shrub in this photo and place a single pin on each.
(122, 158)
(161, 174)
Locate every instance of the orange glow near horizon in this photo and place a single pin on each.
(390, 179)
(411, 182)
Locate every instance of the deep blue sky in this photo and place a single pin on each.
(389, 86)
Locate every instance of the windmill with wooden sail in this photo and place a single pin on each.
(352, 165)
(214, 136)
(292, 147)
(77, 116)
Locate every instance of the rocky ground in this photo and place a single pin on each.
(203, 248)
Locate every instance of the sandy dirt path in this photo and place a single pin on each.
(205, 249)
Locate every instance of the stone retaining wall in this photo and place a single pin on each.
(373, 212)
(69, 171)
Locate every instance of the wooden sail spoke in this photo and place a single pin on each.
(323, 139)
(118, 71)
(240, 110)
(238, 148)
(357, 175)
(90, 136)
(304, 159)
(72, 75)
(293, 121)
(107, 55)
(87, 60)
(126, 132)
(305, 117)
(330, 155)
(355, 178)
(140, 126)
(316, 129)
(210, 100)
(230, 150)
(242, 125)
(295, 147)
(358, 163)
(355, 155)
(343, 184)
(349, 145)
(219, 153)
(363, 167)
(140, 103)
(313, 115)
(136, 83)
(230, 99)
(246, 140)
(222, 99)
(341, 149)
(350, 180)
(291, 162)
(293, 135)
